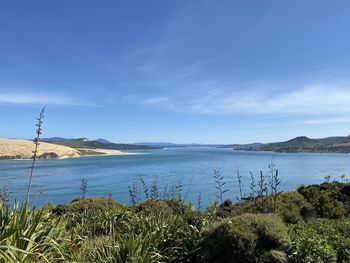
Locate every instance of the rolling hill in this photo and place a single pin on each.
(97, 144)
(304, 144)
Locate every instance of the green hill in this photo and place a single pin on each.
(97, 144)
(304, 144)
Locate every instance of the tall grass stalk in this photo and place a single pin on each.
(252, 193)
(83, 188)
(35, 151)
(219, 185)
(240, 186)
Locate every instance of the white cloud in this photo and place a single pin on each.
(314, 99)
(327, 121)
(35, 98)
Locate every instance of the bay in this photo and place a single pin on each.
(59, 181)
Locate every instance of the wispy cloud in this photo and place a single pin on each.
(146, 50)
(311, 99)
(35, 98)
(327, 121)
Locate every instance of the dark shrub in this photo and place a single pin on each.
(93, 216)
(50, 155)
(174, 207)
(326, 199)
(245, 238)
(81, 205)
(345, 190)
(292, 207)
(328, 207)
(151, 207)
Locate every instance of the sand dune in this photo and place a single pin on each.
(22, 149)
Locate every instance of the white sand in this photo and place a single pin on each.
(22, 149)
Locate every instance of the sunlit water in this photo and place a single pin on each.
(59, 180)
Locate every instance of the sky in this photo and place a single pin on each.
(177, 71)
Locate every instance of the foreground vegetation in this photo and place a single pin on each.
(309, 225)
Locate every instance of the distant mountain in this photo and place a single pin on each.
(87, 144)
(55, 139)
(175, 145)
(304, 144)
(339, 144)
(157, 144)
(102, 141)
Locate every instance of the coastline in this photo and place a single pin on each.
(15, 149)
(71, 157)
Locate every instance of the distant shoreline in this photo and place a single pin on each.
(74, 157)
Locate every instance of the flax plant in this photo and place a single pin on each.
(35, 151)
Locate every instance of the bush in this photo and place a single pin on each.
(320, 240)
(345, 190)
(326, 199)
(151, 207)
(245, 238)
(292, 207)
(81, 205)
(173, 207)
(94, 216)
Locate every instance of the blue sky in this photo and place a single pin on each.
(180, 71)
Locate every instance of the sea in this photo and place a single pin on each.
(188, 169)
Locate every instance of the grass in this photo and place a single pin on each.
(171, 230)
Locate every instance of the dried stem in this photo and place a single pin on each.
(239, 179)
(35, 151)
(219, 185)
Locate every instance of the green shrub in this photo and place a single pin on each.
(151, 207)
(94, 216)
(320, 240)
(81, 205)
(31, 235)
(328, 207)
(188, 213)
(245, 238)
(173, 207)
(292, 206)
(326, 199)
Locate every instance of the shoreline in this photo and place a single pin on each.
(17, 149)
(71, 157)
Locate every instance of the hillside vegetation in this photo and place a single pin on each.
(305, 144)
(98, 144)
(309, 225)
(300, 144)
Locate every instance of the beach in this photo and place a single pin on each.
(22, 149)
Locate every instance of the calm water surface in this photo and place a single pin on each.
(59, 180)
